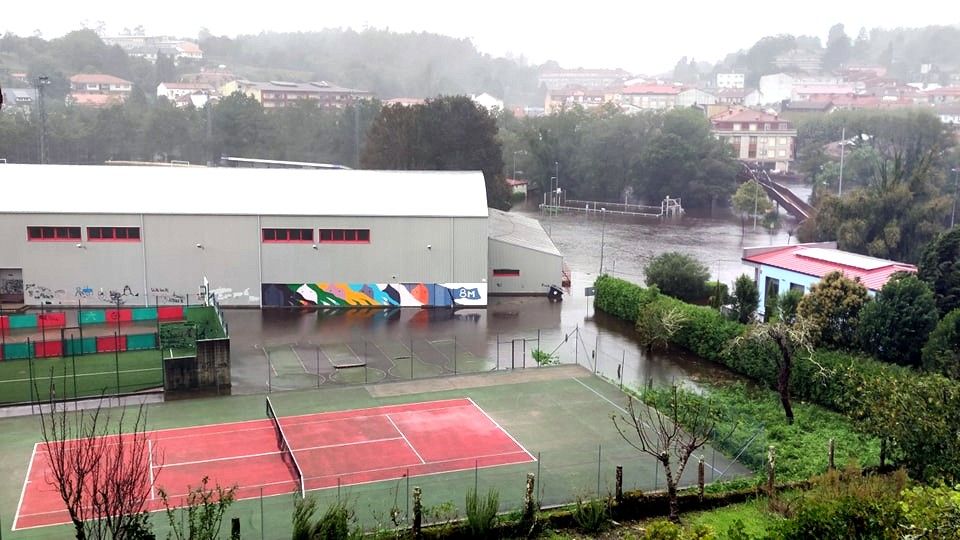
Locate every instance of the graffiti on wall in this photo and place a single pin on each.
(375, 294)
(117, 296)
(164, 295)
(83, 292)
(42, 294)
(225, 294)
(11, 286)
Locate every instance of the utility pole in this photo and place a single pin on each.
(42, 82)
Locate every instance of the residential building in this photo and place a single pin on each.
(405, 101)
(214, 76)
(730, 80)
(488, 102)
(732, 96)
(174, 90)
(778, 269)
(817, 107)
(276, 94)
(775, 88)
(197, 100)
(649, 97)
(147, 47)
(822, 92)
(559, 79)
(20, 77)
(800, 60)
(98, 90)
(946, 94)
(22, 98)
(571, 96)
(517, 186)
(692, 97)
(949, 113)
(757, 137)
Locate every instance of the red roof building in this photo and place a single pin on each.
(778, 269)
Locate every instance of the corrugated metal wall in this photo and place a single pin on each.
(536, 269)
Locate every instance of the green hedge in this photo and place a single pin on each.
(918, 413)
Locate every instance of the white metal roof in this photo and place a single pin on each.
(98, 189)
(523, 231)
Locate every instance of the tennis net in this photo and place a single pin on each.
(286, 452)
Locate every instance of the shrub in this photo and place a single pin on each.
(678, 275)
(591, 515)
(338, 521)
(894, 327)
(746, 299)
(833, 307)
(481, 513)
(941, 354)
(787, 304)
(621, 298)
(719, 294)
(940, 268)
(931, 513)
(543, 358)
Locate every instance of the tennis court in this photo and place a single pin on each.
(283, 454)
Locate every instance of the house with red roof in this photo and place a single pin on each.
(778, 269)
(98, 90)
(650, 97)
(757, 137)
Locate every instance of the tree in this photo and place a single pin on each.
(684, 159)
(683, 426)
(894, 327)
(447, 133)
(789, 340)
(751, 199)
(746, 299)
(941, 354)
(102, 470)
(678, 275)
(940, 268)
(205, 508)
(787, 304)
(833, 309)
(838, 48)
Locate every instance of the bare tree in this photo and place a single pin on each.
(103, 470)
(789, 340)
(684, 426)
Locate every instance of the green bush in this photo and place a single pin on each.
(941, 354)
(591, 515)
(932, 513)
(746, 299)
(678, 275)
(481, 513)
(916, 413)
(833, 307)
(894, 327)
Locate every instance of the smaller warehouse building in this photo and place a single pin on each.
(778, 269)
(522, 258)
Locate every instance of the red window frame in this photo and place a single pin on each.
(344, 236)
(53, 233)
(113, 234)
(284, 235)
(506, 272)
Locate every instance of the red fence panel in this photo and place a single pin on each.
(111, 343)
(52, 320)
(122, 315)
(4, 322)
(45, 349)
(170, 313)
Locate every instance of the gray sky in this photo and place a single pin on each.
(642, 37)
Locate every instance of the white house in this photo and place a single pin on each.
(696, 96)
(778, 269)
(730, 80)
(488, 102)
(174, 90)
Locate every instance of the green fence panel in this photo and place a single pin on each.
(139, 342)
(79, 346)
(145, 314)
(22, 321)
(94, 316)
(16, 351)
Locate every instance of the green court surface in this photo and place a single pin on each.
(561, 415)
(89, 375)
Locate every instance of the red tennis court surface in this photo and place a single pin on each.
(352, 447)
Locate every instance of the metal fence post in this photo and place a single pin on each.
(576, 347)
(411, 358)
(116, 357)
(498, 352)
(33, 382)
(623, 361)
(599, 458)
(318, 367)
(454, 355)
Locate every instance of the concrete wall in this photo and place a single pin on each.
(536, 268)
(167, 264)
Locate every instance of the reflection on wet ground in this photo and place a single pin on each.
(329, 346)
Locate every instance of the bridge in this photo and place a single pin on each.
(794, 205)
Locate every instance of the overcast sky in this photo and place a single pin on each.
(639, 36)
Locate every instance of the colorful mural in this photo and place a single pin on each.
(374, 294)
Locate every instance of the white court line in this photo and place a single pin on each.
(150, 461)
(379, 469)
(273, 452)
(394, 424)
(507, 433)
(295, 353)
(628, 414)
(26, 480)
(92, 374)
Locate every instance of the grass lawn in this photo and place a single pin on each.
(94, 374)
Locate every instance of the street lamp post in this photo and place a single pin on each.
(603, 231)
(843, 143)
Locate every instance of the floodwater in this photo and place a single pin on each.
(510, 328)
